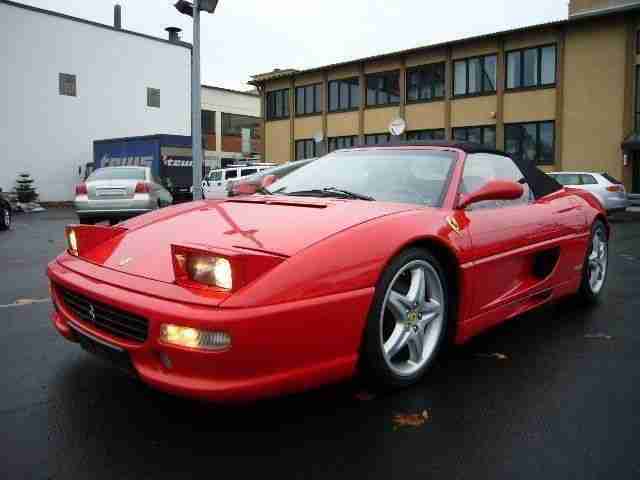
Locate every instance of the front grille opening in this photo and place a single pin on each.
(106, 318)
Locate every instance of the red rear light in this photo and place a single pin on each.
(81, 189)
(615, 188)
(142, 187)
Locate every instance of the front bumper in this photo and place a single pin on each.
(275, 350)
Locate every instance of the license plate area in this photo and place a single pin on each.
(116, 356)
(111, 192)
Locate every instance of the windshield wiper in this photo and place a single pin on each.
(330, 192)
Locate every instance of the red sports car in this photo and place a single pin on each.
(366, 260)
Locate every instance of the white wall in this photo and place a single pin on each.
(225, 101)
(49, 135)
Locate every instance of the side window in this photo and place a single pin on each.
(215, 176)
(231, 174)
(480, 168)
(588, 180)
(248, 171)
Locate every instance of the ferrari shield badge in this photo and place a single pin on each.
(453, 224)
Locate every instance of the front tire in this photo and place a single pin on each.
(407, 322)
(596, 264)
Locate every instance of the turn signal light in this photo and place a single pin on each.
(81, 189)
(142, 187)
(194, 338)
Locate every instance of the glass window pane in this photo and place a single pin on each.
(370, 139)
(413, 81)
(308, 99)
(489, 137)
(317, 106)
(299, 149)
(529, 142)
(460, 134)
(546, 143)
(548, 65)
(530, 73)
(278, 101)
(438, 81)
(371, 90)
(354, 86)
(512, 140)
(474, 135)
(333, 96)
(285, 99)
(460, 78)
(475, 75)
(438, 134)
(383, 88)
(513, 70)
(392, 82)
(332, 144)
(489, 74)
(299, 100)
(344, 95)
(426, 85)
(309, 149)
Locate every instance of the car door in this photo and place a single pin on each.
(508, 236)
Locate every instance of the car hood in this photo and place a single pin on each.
(276, 225)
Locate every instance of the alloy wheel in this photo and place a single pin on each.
(597, 262)
(412, 317)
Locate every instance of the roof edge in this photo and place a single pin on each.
(92, 23)
(231, 90)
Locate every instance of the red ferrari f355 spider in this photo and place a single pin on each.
(368, 259)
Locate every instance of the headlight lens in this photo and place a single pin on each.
(72, 241)
(215, 271)
(193, 338)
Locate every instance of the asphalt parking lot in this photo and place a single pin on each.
(552, 394)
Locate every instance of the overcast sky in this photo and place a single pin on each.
(246, 37)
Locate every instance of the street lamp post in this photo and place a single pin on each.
(193, 10)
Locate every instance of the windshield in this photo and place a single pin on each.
(116, 173)
(388, 175)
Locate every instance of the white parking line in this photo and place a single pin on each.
(25, 301)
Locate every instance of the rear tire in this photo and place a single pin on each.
(5, 218)
(407, 322)
(596, 264)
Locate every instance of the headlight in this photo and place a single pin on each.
(72, 241)
(214, 271)
(194, 338)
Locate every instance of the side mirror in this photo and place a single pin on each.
(493, 190)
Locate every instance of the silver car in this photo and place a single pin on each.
(603, 186)
(117, 193)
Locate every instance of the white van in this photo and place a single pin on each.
(215, 184)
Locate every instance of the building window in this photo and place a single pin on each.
(305, 149)
(278, 104)
(422, 135)
(336, 143)
(638, 42)
(377, 139)
(485, 135)
(383, 88)
(67, 84)
(308, 99)
(208, 122)
(474, 76)
(531, 67)
(233, 124)
(533, 142)
(208, 129)
(344, 94)
(153, 97)
(425, 83)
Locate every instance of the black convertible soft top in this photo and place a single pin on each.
(540, 183)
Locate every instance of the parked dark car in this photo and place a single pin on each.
(5, 213)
